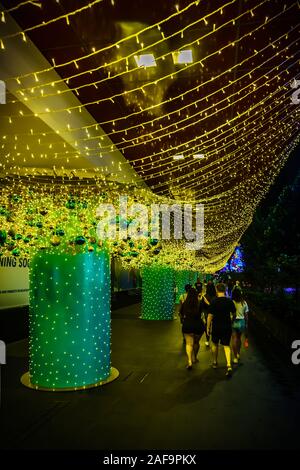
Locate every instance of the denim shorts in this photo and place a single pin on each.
(239, 325)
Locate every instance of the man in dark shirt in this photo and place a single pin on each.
(221, 313)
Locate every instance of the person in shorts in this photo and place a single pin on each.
(192, 326)
(221, 312)
(240, 324)
(205, 301)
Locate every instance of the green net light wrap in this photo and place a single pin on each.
(69, 319)
(193, 275)
(158, 296)
(181, 279)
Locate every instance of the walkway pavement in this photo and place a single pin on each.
(156, 403)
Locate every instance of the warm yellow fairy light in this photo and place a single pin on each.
(27, 2)
(262, 135)
(170, 113)
(53, 20)
(134, 35)
(164, 77)
(132, 55)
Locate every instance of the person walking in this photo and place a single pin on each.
(237, 285)
(183, 296)
(192, 326)
(205, 301)
(198, 285)
(182, 299)
(240, 324)
(221, 312)
(230, 286)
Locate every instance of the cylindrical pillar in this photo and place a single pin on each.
(158, 293)
(181, 279)
(193, 277)
(69, 320)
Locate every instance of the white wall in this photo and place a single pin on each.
(14, 281)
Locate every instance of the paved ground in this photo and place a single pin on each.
(156, 403)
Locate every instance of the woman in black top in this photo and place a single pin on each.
(205, 301)
(192, 326)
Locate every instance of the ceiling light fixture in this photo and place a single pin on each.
(183, 57)
(145, 60)
(178, 157)
(199, 155)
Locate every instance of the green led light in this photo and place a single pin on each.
(181, 279)
(193, 277)
(158, 293)
(69, 319)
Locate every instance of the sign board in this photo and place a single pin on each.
(14, 281)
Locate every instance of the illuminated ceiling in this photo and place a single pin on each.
(95, 105)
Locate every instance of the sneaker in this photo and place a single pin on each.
(229, 372)
(235, 360)
(207, 344)
(214, 365)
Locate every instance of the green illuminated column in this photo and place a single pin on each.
(69, 320)
(181, 279)
(193, 278)
(158, 293)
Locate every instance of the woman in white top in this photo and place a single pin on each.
(240, 324)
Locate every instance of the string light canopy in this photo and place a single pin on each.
(205, 116)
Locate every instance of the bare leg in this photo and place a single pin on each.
(239, 343)
(214, 350)
(227, 352)
(206, 335)
(196, 347)
(235, 343)
(189, 342)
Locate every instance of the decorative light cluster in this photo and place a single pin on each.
(64, 219)
(182, 278)
(236, 262)
(69, 319)
(158, 293)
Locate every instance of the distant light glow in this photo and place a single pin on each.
(183, 57)
(178, 157)
(199, 155)
(290, 290)
(145, 60)
(235, 263)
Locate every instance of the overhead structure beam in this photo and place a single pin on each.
(21, 58)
